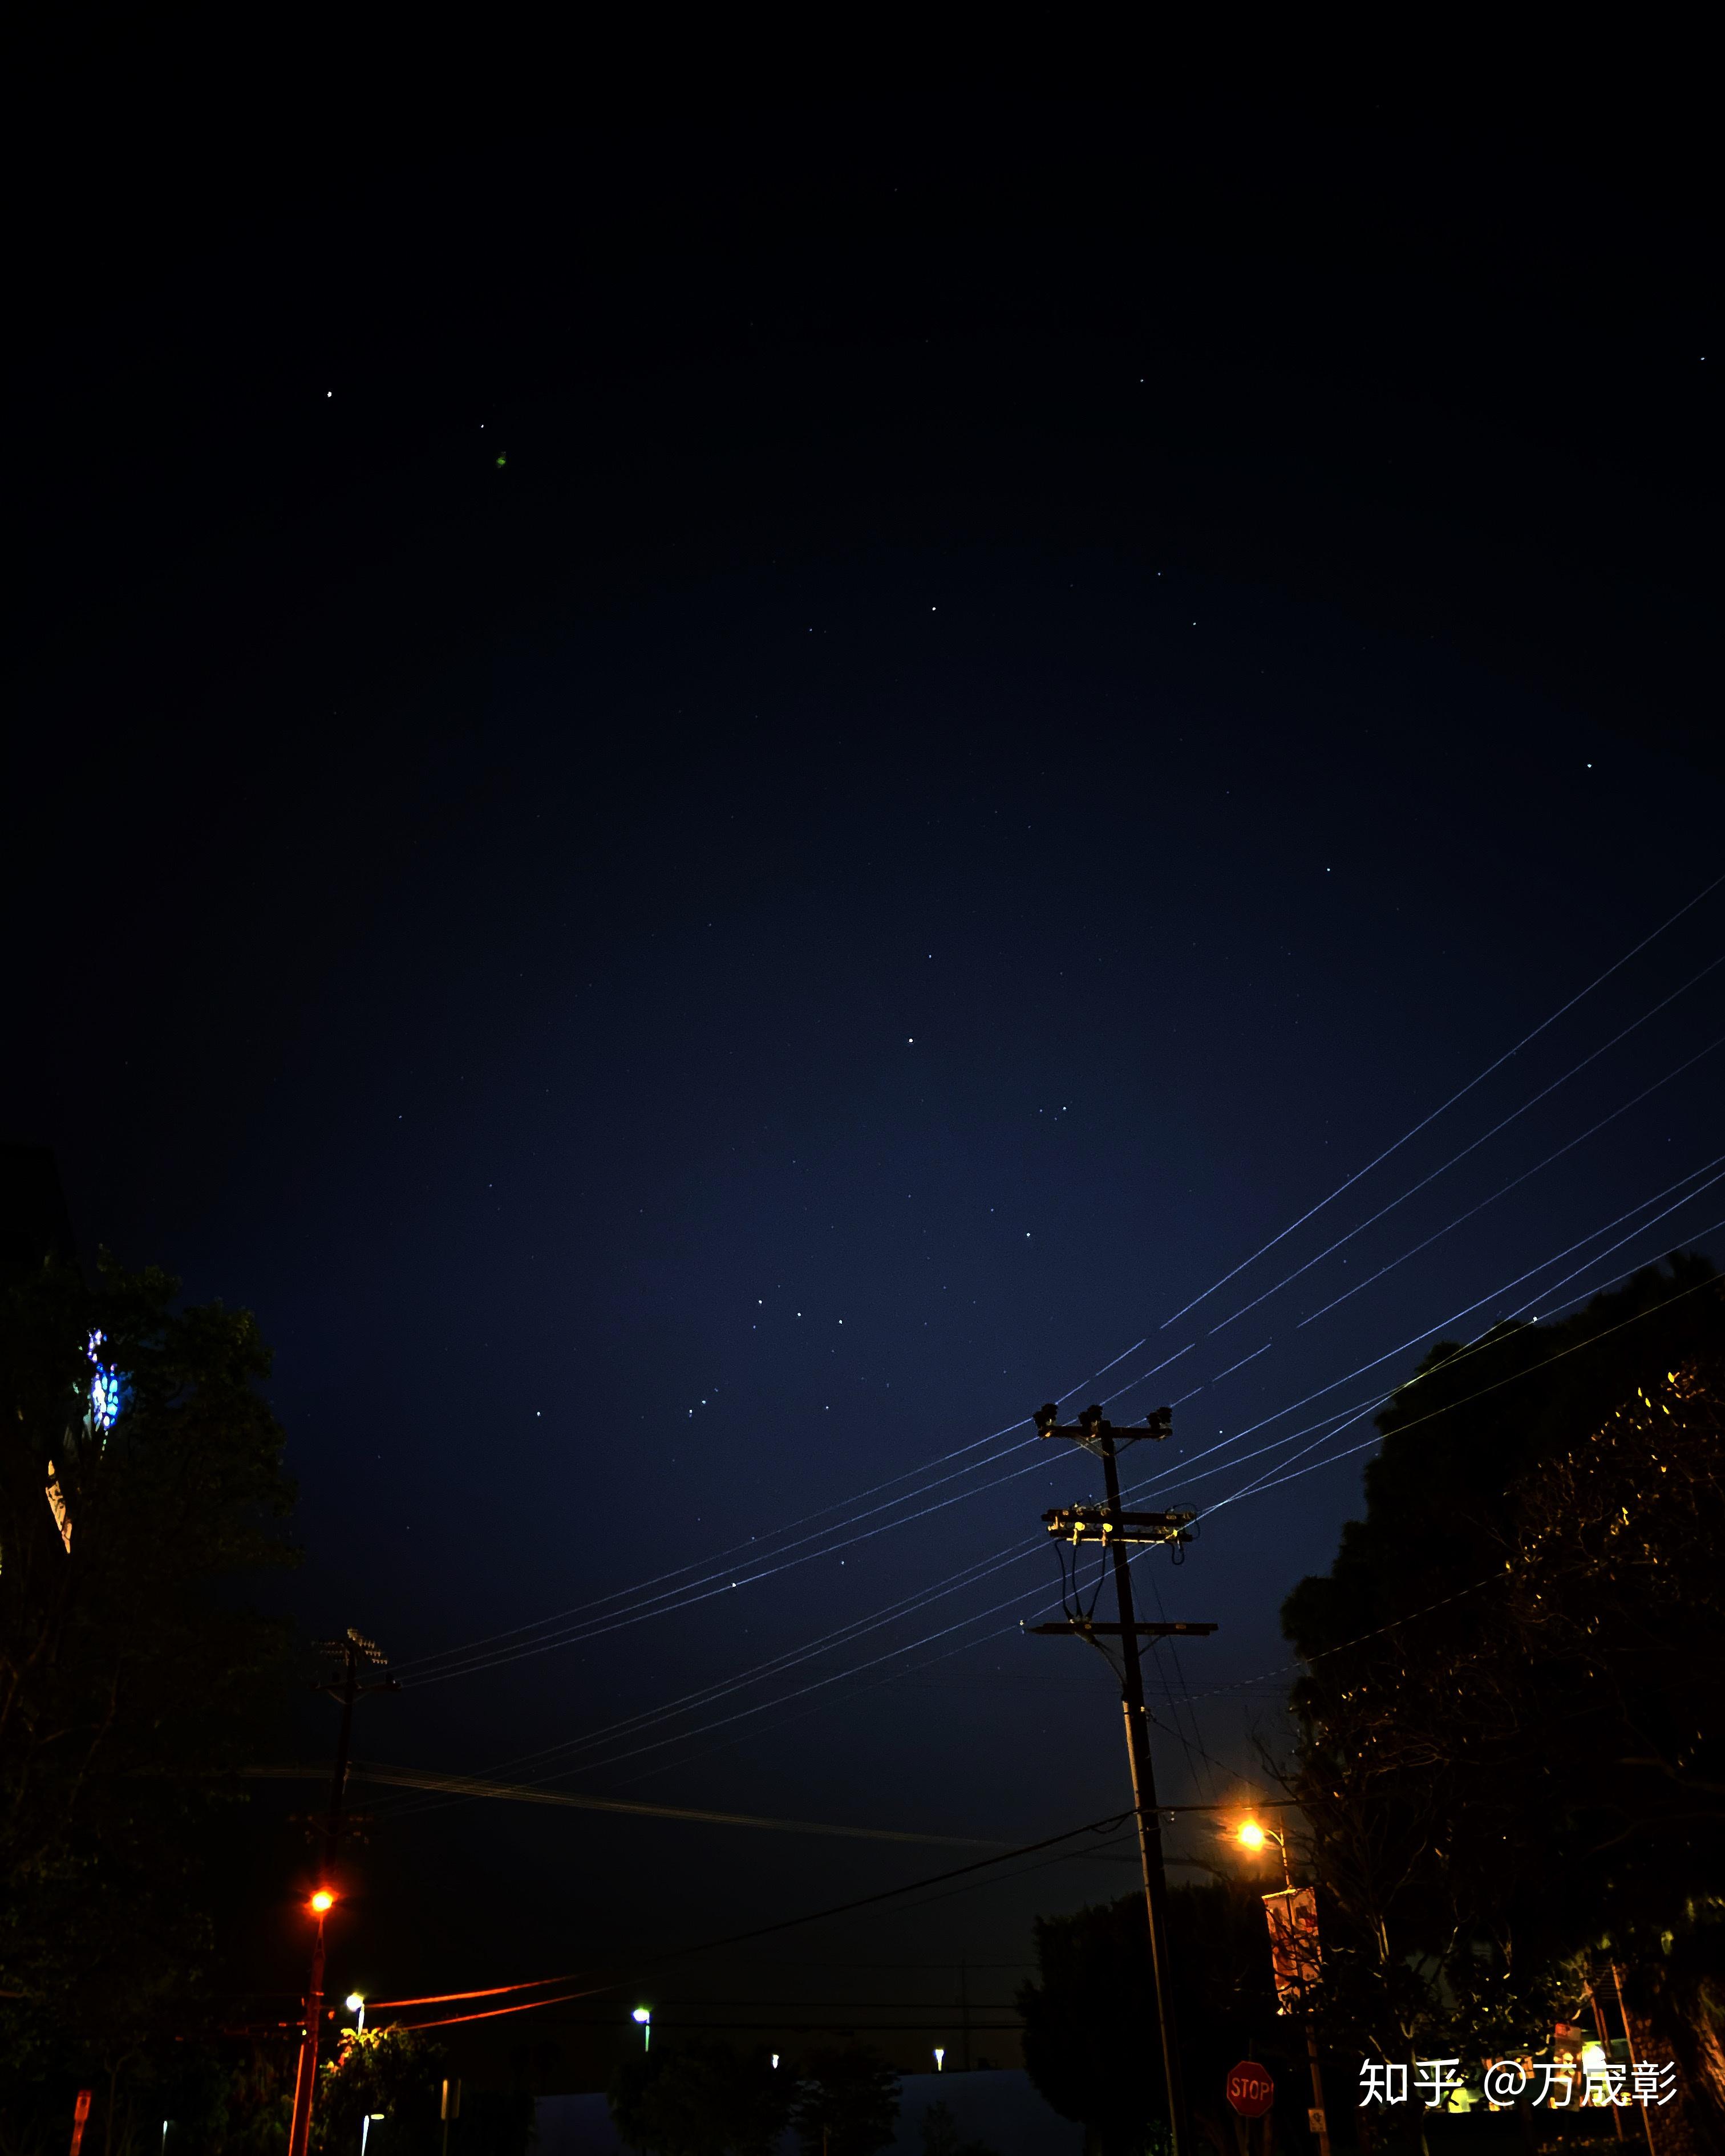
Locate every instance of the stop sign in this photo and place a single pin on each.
(1250, 2090)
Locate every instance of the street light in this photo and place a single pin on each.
(356, 2005)
(305, 2076)
(939, 2058)
(644, 2015)
(1251, 1836)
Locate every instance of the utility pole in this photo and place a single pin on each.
(1116, 1531)
(353, 1655)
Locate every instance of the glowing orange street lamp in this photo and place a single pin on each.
(305, 2080)
(1251, 1836)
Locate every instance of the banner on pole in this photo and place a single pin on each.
(1294, 1956)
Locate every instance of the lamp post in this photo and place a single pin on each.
(644, 2015)
(1251, 1836)
(357, 2005)
(306, 2080)
(939, 2058)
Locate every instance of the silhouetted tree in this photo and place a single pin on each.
(846, 2104)
(1512, 1763)
(1092, 2043)
(691, 2098)
(940, 2135)
(140, 1480)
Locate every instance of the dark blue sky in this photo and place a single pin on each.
(708, 966)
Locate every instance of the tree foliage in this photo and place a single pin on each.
(691, 2098)
(132, 1677)
(1091, 2034)
(940, 2135)
(1512, 1760)
(846, 2103)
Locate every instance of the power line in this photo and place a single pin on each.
(1426, 1332)
(781, 1664)
(472, 1660)
(740, 1938)
(1414, 1423)
(855, 1629)
(1473, 1146)
(755, 1543)
(1249, 1490)
(1426, 1120)
(471, 1785)
(1514, 1181)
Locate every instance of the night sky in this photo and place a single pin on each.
(714, 804)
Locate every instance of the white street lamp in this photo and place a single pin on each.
(643, 2014)
(939, 2058)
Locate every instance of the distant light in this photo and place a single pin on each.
(775, 2059)
(1251, 1836)
(940, 2054)
(354, 2002)
(107, 1388)
(323, 1900)
(642, 2014)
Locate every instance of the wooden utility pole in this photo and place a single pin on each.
(1116, 1531)
(351, 1654)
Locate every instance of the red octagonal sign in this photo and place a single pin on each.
(1250, 2090)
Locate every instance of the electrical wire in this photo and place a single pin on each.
(1473, 1146)
(471, 1659)
(1711, 1281)
(1426, 1332)
(1250, 1489)
(1222, 1691)
(1425, 1122)
(1514, 1181)
(842, 1635)
(789, 1658)
(1326, 1426)
(1113, 1819)
(596, 1627)
(470, 1785)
